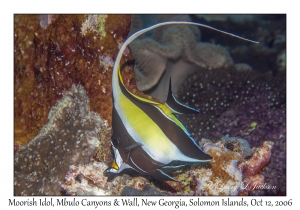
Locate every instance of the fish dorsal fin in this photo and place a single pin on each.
(134, 95)
(116, 70)
(176, 106)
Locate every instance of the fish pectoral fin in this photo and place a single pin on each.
(132, 147)
(110, 176)
(176, 106)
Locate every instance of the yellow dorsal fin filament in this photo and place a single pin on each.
(134, 95)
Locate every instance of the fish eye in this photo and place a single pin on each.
(115, 142)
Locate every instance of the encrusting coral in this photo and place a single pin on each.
(70, 137)
(52, 52)
(253, 181)
(89, 180)
(223, 177)
(229, 173)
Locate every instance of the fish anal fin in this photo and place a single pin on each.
(171, 169)
(176, 106)
(162, 176)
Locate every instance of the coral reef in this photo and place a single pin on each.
(238, 145)
(172, 43)
(223, 177)
(232, 102)
(233, 144)
(146, 191)
(89, 180)
(254, 183)
(244, 104)
(65, 62)
(227, 174)
(70, 137)
(94, 23)
(52, 52)
(259, 159)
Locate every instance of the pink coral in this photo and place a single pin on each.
(261, 156)
(252, 180)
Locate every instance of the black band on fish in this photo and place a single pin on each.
(167, 140)
(179, 137)
(132, 147)
(176, 106)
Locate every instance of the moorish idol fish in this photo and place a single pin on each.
(146, 135)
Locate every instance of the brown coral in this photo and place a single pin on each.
(49, 59)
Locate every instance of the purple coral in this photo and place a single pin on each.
(243, 104)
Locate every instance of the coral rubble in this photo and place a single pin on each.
(69, 138)
(52, 52)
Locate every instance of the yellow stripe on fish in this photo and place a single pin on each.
(169, 113)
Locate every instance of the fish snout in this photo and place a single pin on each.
(115, 166)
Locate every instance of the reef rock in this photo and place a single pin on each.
(70, 137)
(222, 177)
(52, 52)
(226, 174)
(238, 145)
(89, 180)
